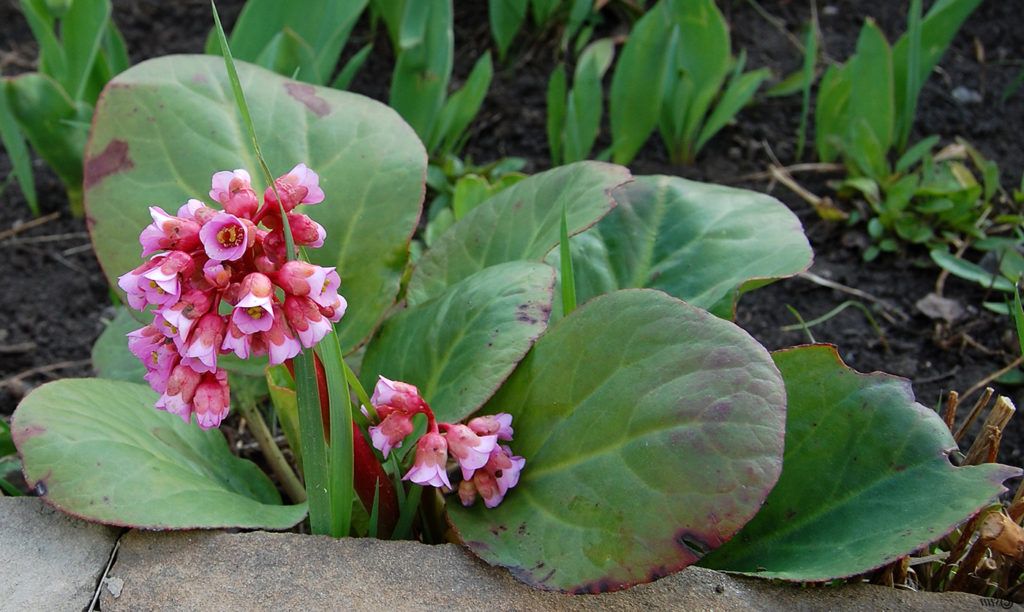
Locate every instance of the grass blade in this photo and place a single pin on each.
(807, 79)
(314, 451)
(340, 461)
(913, 83)
(567, 277)
(352, 67)
(556, 113)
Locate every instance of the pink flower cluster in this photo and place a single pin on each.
(205, 262)
(488, 468)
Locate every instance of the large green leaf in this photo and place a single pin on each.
(521, 222)
(165, 126)
(98, 449)
(702, 243)
(866, 477)
(460, 347)
(652, 432)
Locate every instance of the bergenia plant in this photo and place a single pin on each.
(207, 262)
(649, 428)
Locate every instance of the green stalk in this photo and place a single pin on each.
(271, 452)
(314, 460)
(340, 466)
(408, 513)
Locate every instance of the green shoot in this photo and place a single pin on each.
(567, 277)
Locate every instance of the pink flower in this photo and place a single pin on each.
(471, 450)
(305, 320)
(236, 340)
(212, 399)
(156, 352)
(505, 467)
(498, 424)
(254, 311)
(168, 233)
(217, 273)
(132, 284)
(190, 209)
(306, 231)
(300, 186)
(279, 341)
(396, 395)
(181, 389)
(234, 192)
(224, 237)
(391, 431)
(206, 339)
(302, 278)
(177, 320)
(487, 487)
(429, 467)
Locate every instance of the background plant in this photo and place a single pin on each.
(574, 114)
(302, 40)
(677, 72)
(80, 49)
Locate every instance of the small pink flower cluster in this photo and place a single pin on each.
(487, 468)
(204, 257)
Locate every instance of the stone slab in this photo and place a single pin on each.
(49, 560)
(282, 571)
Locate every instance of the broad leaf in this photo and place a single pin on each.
(520, 222)
(705, 244)
(866, 477)
(98, 449)
(652, 431)
(460, 347)
(165, 126)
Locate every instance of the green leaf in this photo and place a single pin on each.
(543, 10)
(83, 30)
(836, 514)
(638, 82)
(324, 25)
(110, 355)
(584, 106)
(520, 222)
(830, 114)
(352, 67)
(703, 56)
(871, 96)
(470, 191)
(970, 271)
(17, 151)
(460, 347)
(100, 451)
(288, 54)
(702, 243)
(915, 153)
(639, 460)
(44, 111)
(419, 84)
(166, 125)
(738, 93)
(904, 118)
(52, 59)
(938, 28)
(460, 109)
(6, 443)
(556, 105)
(506, 17)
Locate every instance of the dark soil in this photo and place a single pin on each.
(55, 298)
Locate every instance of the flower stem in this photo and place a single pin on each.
(272, 453)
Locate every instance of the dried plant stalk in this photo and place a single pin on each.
(952, 403)
(986, 395)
